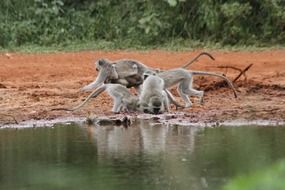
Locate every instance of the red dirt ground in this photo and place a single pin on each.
(32, 84)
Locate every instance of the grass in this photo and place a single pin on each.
(172, 45)
(271, 178)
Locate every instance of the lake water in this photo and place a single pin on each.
(139, 157)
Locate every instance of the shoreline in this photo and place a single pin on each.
(153, 120)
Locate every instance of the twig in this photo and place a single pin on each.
(232, 67)
(243, 72)
(223, 83)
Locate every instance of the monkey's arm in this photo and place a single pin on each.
(101, 78)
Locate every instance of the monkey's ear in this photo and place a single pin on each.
(101, 62)
(145, 76)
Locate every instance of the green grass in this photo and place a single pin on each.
(271, 178)
(172, 45)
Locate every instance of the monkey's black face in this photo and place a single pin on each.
(157, 108)
(152, 111)
(156, 111)
(143, 107)
(154, 107)
(146, 111)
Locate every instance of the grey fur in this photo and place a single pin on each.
(184, 79)
(123, 99)
(126, 72)
(153, 98)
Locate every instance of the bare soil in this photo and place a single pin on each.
(32, 84)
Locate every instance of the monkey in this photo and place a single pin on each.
(126, 72)
(153, 99)
(184, 79)
(123, 99)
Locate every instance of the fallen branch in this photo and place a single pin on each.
(232, 67)
(243, 72)
(223, 83)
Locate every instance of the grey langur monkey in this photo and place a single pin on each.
(123, 99)
(184, 79)
(153, 99)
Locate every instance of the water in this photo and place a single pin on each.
(139, 157)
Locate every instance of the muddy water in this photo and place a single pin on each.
(139, 157)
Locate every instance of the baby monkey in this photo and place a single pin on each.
(123, 99)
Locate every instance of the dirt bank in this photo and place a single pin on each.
(32, 84)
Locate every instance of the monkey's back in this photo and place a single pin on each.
(173, 76)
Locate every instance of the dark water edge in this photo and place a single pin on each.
(143, 156)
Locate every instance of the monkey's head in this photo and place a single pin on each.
(102, 63)
(154, 106)
(148, 73)
(131, 104)
(107, 68)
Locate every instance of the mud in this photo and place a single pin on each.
(33, 84)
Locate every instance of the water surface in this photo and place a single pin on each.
(139, 157)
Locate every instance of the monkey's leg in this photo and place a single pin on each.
(198, 93)
(117, 105)
(191, 91)
(166, 101)
(138, 89)
(182, 89)
(124, 105)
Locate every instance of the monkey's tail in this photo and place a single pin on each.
(217, 75)
(94, 94)
(197, 57)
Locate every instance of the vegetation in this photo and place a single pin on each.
(145, 23)
(272, 178)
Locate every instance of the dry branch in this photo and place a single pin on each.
(242, 72)
(232, 67)
(223, 83)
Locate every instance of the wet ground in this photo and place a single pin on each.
(32, 84)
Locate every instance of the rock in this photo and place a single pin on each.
(124, 121)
